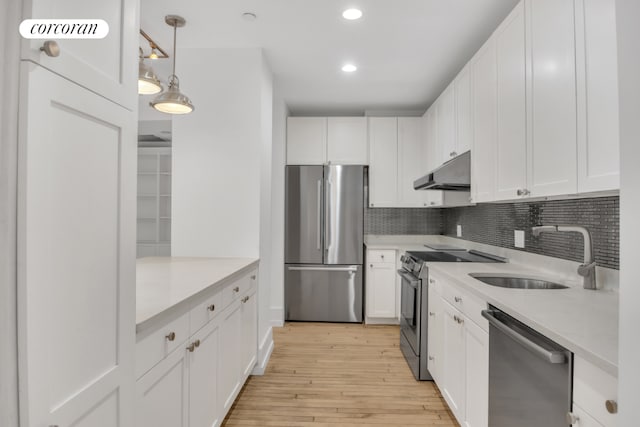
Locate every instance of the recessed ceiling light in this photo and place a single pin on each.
(349, 68)
(352, 14)
(249, 16)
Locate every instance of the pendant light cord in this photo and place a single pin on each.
(175, 27)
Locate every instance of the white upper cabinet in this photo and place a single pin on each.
(318, 140)
(306, 140)
(347, 140)
(483, 158)
(552, 159)
(410, 164)
(383, 161)
(106, 66)
(511, 138)
(464, 122)
(598, 133)
(446, 108)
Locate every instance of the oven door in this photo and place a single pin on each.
(410, 308)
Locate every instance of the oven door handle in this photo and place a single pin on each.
(554, 357)
(411, 279)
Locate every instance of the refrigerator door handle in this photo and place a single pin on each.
(319, 229)
(351, 269)
(328, 230)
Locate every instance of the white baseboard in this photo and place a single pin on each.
(264, 353)
(381, 321)
(277, 317)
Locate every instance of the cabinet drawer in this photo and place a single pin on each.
(467, 303)
(239, 287)
(381, 256)
(584, 419)
(592, 387)
(205, 311)
(153, 348)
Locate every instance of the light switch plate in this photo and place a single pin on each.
(459, 230)
(518, 238)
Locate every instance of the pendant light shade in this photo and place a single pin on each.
(148, 82)
(173, 101)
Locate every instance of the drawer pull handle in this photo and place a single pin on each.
(612, 406)
(191, 347)
(245, 299)
(212, 307)
(236, 289)
(171, 336)
(572, 418)
(458, 299)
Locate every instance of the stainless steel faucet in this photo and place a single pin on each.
(588, 269)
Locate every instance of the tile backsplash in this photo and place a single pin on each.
(400, 221)
(493, 224)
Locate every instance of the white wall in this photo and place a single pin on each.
(9, 83)
(222, 166)
(217, 155)
(628, 16)
(265, 340)
(280, 113)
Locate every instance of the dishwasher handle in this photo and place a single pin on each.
(551, 356)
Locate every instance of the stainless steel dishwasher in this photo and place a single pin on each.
(529, 375)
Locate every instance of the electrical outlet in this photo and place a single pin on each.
(518, 238)
(459, 230)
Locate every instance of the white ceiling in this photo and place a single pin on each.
(406, 50)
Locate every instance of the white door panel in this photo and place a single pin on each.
(76, 252)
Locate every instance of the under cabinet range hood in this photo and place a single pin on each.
(454, 175)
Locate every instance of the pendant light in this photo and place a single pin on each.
(173, 101)
(148, 82)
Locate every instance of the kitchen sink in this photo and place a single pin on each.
(516, 282)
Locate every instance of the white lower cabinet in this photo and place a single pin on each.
(458, 356)
(477, 375)
(381, 287)
(203, 377)
(162, 394)
(230, 362)
(595, 395)
(195, 384)
(453, 386)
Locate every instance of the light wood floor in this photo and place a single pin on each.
(338, 375)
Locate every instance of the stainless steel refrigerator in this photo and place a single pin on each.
(324, 222)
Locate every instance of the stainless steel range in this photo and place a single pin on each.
(414, 301)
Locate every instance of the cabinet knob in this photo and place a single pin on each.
(522, 192)
(212, 307)
(432, 203)
(191, 347)
(196, 343)
(245, 299)
(236, 289)
(572, 418)
(453, 154)
(51, 48)
(170, 336)
(612, 406)
(371, 265)
(382, 256)
(253, 277)
(432, 281)
(458, 299)
(431, 313)
(430, 357)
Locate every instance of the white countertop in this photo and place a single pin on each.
(163, 283)
(583, 321)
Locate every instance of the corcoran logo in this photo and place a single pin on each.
(64, 29)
